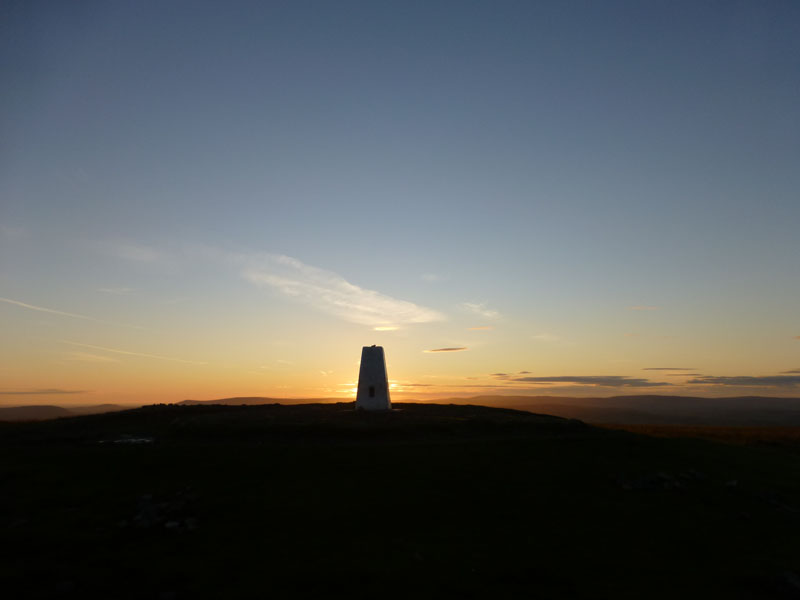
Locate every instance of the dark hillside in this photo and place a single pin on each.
(32, 413)
(428, 500)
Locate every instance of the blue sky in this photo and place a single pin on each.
(549, 164)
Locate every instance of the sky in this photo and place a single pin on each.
(212, 199)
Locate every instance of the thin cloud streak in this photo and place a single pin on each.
(45, 392)
(669, 369)
(546, 337)
(331, 293)
(88, 357)
(459, 349)
(480, 308)
(640, 307)
(594, 380)
(748, 381)
(129, 353)
(131, 252)
(52, 311)
(62, 313)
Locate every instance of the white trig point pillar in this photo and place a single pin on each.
(373, 384)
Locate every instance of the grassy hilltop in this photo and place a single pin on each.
(430, 500)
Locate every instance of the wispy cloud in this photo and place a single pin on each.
(385, 328)
(331, 293)
(649, 337)
(117, 291)
(748, 381)
(90, 358)
(546, 337)
(44, 392)
(459, 349)
(594, 380)
(63, 313)
(430, 277)
(131, 251)
(641, 307)
(12, 233)
(792, 371)
(481, 328)
(669, 369)
(129, 353)
(480, 309)
(52, 311)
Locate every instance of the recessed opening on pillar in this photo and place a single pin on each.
(373, 383)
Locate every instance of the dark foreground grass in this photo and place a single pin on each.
(429, 501)
(785, 438)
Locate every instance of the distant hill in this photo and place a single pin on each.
(634, 410)
(32, 413)
(653, 409)
(97, 409)
(45, 412)
(646, 409)
(255, 400)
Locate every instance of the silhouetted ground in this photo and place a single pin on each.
(426, 501)
(785, 438)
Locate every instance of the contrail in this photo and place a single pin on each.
(180, 360)
(53, 311)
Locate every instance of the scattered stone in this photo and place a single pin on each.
(174, 513)
(774, 500)
(693, 475)
(134, 440)
(654, 481)
(792, 579)
(148, 514)
(17, 522)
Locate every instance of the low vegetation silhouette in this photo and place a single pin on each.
(242, 501)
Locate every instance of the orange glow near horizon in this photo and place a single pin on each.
(59, 359)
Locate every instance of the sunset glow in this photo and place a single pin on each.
(509, 212)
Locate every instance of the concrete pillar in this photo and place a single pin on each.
(373, 384)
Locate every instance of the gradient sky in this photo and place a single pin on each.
(207, 199)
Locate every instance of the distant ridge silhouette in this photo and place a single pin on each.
(644, 409)
(634, 410)
(44, 412)
(250, 400)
